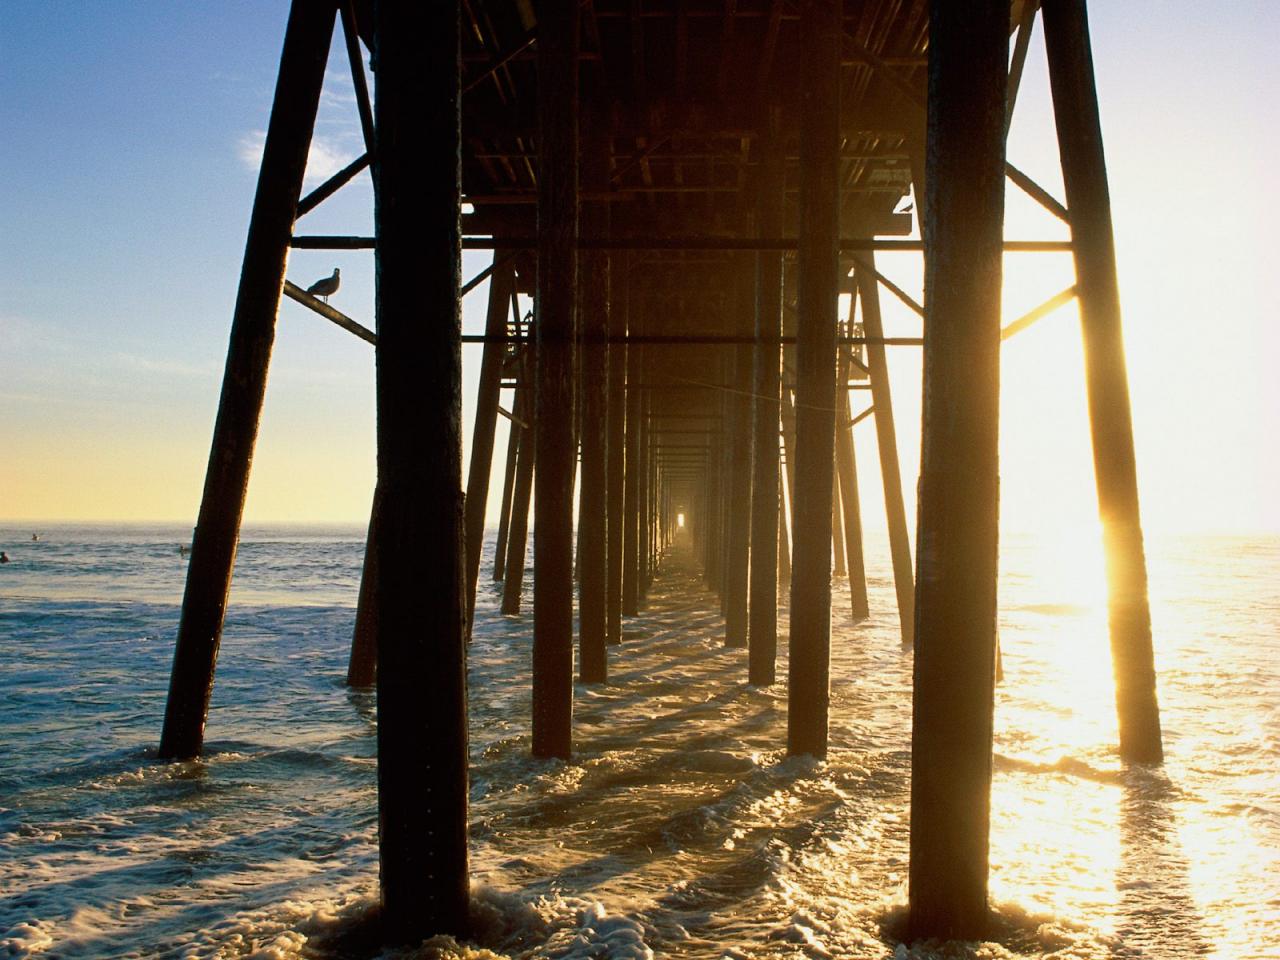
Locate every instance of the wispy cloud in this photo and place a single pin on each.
(326, 158)
(162, 366)
(339, 93)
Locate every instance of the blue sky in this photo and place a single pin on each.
(130, 132)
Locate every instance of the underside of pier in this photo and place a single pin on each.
(693, 194)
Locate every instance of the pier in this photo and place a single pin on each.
(688, 190)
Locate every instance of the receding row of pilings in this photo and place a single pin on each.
(422, 565)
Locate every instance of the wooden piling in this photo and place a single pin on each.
(956, 592)
(244, 381)
(887, 443)
(554, 362)
(631, 478)
(738, 548)
(508, 489)
(847, 478)
(784, 539)
(362, 664)
(767, 528)
(522, 494)
(642, 497)
(422, 676)
(501, 284)
(713, 566)
(616, 447)
(1084, 172)
(816, 308)
(593, 496)
(838, 567)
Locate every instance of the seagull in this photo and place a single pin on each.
(326, 287)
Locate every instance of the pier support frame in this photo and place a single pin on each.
(422, 675)
(817, 303)
(555, 329)
(954, 671)
(1084, 173)
(244, 383)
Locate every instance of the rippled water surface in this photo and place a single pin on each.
(680, 829)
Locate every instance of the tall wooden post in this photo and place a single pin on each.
(486, 422)
(508, 490)
(650, 497)
(784, 539)
(244, 382)
(1084, 172)
(362, 665)
(766, 528)
(555, 329)
(422, 675)
(817, 302)
(642, 497)
(616, 445)
(847, 477)
(956, 594)
(887, 442)
(837, 526)
(714, 565)
(738, 568)
(631, 478)
(522, 494)
(592, 504)
(724, 461)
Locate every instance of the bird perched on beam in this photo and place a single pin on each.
(326, 287)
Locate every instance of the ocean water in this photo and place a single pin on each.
(680, 829)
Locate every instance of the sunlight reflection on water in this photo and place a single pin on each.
(680, 826)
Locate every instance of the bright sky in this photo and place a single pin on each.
(129, 162)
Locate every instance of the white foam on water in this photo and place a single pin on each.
(679, 829)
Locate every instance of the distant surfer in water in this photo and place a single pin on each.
(35, 537)
(4, 557)
(182, 550)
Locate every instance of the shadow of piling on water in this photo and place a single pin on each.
(1157, 914)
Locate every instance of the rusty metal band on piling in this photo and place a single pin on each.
(1084, 172)
(554, 394)
(954, 676)
(422, 675)
(244, 382)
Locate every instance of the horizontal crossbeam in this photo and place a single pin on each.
(676, 243)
